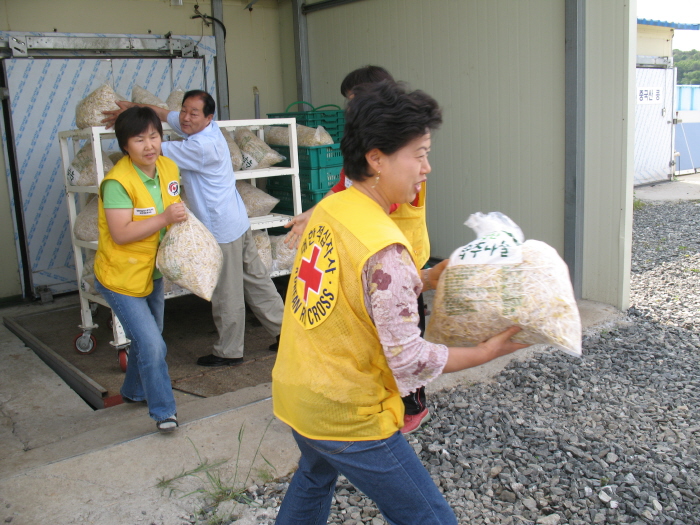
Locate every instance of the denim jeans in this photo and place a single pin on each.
(147, 375)
(387, 471)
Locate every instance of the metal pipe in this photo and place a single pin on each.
(305, 9)
(217, 10)
(301, 52)
(574, 143)
(256, 98)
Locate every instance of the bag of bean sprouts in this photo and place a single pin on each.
(83, 170)
(174, 100)
(88, 112)
(170, 287)
(114, 156)
(256, 154)
(87, 281)
(282, 255)
(190, 257)
(262, 242)
(143, 96)
(279, 136)
(257, 202)
(85, 227)
(234, 150)
(500, 280)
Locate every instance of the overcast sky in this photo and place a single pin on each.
(680, 11)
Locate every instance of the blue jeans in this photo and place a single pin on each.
(387, 471)
(147, 375)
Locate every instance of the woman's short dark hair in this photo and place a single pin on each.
(134, 121)
(206, 98)
(385, 116)
(363, 75)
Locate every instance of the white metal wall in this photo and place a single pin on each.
(43, 97)
(610, 65)
(654, 41)
(497, 69)
(653, 136)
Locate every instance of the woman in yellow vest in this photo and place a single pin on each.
(139, 199)
(410, 218)
(350, 345)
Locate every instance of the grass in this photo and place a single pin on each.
(217, 486)
(638, 204)
(168, 484)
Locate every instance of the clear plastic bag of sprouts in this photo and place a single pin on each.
(190, 257)
(499, 280)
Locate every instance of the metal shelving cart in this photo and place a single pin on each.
(76, 197)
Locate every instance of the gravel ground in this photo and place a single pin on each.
(609, 438)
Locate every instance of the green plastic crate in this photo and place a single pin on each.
(286, 203)
(309, 180)
(313, 157)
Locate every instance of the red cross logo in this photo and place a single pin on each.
(311, 275)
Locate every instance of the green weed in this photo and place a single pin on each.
(218, 487)
(204, 466)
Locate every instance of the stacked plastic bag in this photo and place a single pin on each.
(257, 202)
(256, 154)
(143, 96)
(279, 136)
(282, 255)
(262, 242)
(87, 282)
(85, 227)
(83, 171)
(174, 100)
(498, 281)
(89, 111)
(234, 150)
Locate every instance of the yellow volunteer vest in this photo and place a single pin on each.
(411, 220)
(331, 380)
(128, 268)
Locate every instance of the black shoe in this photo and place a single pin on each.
(275, 346)
(215, 360)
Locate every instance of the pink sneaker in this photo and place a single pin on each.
(413, 423)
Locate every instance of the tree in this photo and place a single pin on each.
(688, 66)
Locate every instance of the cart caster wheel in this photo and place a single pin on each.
(85, 344)
(123, 359)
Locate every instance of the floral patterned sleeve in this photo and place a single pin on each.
(391, 287)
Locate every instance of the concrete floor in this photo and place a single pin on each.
(63, 463)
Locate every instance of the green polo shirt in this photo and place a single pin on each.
(114, 196)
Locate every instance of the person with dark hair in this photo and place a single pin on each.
(350, 344)
(410, 217)
(208, 177)
(139, 198)
(363, 75)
